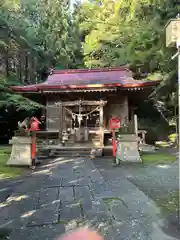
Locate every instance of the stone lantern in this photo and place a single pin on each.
(173, 32)
(173, 39)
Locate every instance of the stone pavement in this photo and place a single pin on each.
(67, 193)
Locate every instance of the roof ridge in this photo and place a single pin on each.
(64, 71)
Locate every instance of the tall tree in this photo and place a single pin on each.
(131, 33)
(35, 36)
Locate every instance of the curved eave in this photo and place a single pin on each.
(24, 89)
(45, 87)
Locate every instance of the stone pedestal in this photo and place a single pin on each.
(82, 134)
(96, 152)
(21, 151)
(127, 148)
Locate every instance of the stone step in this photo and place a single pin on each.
(70, 141)
(96, 141)
(74, 152)
(69, 151)
(70, 154)
(66, 154)
(42, 157)
(97, 137)
(146, 148)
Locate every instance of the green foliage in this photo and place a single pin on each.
(6, 171)
(103, 33)
(132, 33)
(56, 32)
(35, 36)
(157, 158)
(9, 98)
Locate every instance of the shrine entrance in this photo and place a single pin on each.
(82, 122)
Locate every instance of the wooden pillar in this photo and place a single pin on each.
(143, 137)
(101, 121)
(47, 116)
(136, 124)
(63, 119)
(132, 114)
(60, 121)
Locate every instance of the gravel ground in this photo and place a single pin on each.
(161, 184)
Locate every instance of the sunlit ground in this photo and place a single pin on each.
(157, 158)
(7, 171)
(171, 140)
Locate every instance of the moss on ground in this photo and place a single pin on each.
(169, 203)
(65, 222)
(157, 157)
(7, 171)
(108, 201)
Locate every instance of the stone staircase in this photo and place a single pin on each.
(95, 140)
(71, 140)
(68, 151)
(43, 153)
(72, 149)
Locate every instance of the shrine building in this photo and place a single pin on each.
(81, 102)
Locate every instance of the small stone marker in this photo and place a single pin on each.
(127, 150)
(21, 151)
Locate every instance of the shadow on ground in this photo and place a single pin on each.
(159, 182)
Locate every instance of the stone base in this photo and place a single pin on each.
(96, 152)
(21, 152)
(146, 148)
(127, 149)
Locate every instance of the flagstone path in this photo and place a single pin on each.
(67, 193)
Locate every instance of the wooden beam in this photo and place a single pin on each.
(81, 90)
(77, 103)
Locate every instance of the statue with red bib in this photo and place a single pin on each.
(34, 127)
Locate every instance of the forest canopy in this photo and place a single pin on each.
(36, 36)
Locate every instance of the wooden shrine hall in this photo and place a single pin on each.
(80, 103)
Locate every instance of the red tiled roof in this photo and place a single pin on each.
(87, 78)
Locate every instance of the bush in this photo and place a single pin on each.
(156, 130)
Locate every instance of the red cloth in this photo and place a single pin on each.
(114, 143)
(33, 147)
(114, 123)
(34, 124)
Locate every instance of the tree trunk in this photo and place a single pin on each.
(31, 72)
(7, 63)
(20, 66)
(26, 68)
(6, 55)
(177, 125)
